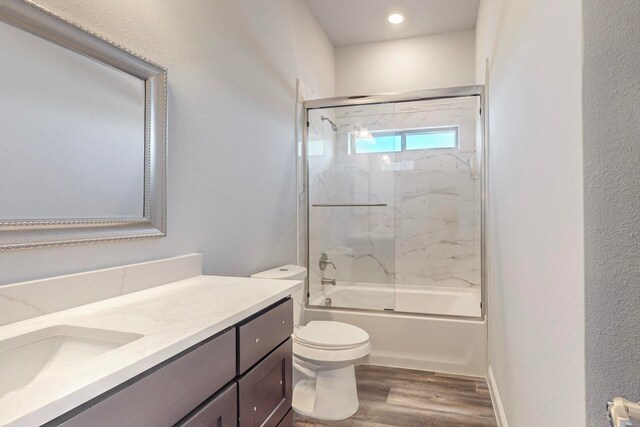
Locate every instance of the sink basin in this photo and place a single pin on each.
(38, 354)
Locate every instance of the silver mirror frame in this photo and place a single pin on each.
(28, 233)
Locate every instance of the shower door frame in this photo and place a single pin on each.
(420, 95)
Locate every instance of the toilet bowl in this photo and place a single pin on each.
(324, 356)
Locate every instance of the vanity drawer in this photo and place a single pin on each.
(264, 393)
(259, 336)
(220, 411)
(168, 393)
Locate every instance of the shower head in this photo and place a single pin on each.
(334, 126)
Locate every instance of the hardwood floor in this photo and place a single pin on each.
(391, 397)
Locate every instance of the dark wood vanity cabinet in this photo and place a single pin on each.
(220, 410)
(240, 377)
(162, 395)
(287, 421)
(264, 390)
(260, 335)
(264, 393)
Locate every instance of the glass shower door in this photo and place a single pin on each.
(438, 207)
(395, 206)
(351, 194)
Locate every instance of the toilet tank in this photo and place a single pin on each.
(288, 272)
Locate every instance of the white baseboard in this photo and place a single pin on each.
(497, 402)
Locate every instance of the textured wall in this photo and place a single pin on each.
(536, 258)
(611, 98)
(441, 60)
(232, 66)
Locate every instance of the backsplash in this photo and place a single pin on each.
(25, 300)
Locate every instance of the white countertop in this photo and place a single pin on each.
(171, 318)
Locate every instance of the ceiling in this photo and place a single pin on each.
(349, 22)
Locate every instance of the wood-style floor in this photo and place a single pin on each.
(391, 397)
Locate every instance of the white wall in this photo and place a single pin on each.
(441, 60)
(487, 28)
(536, 270)
(232, 72)
(612, 202)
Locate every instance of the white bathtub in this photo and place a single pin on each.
(450, 345)
(401, 298)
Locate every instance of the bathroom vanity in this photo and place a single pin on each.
(243, 370)
(201, 351)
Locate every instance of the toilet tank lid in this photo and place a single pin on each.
(289, 271)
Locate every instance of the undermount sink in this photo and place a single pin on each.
(41, 353)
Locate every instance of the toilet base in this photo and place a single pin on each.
(332, 395)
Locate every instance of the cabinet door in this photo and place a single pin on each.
(265, 391)
(219, 411)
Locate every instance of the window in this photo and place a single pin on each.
(427, 139)
(402, 140)
(378, 142)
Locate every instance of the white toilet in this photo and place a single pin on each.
(324, 356)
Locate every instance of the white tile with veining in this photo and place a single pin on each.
(37, 297)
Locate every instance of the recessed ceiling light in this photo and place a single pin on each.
(395, 17)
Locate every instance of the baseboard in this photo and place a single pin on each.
(497, 402)
(422, 365)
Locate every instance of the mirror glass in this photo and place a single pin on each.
(72, 133)
(83, 134)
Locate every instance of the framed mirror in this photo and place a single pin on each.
(83, 134)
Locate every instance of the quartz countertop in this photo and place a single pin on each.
(171, 318)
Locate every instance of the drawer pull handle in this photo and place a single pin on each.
(255, 408)
(280, 382)
(283, 322)
(257, 340)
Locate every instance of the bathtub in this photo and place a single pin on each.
(401, 298)
(404, 340)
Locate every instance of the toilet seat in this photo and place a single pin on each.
(330, 335)
(329, 341)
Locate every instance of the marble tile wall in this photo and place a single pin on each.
(429, 234)
(303, 93)
(437, 201)
(322, 183)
